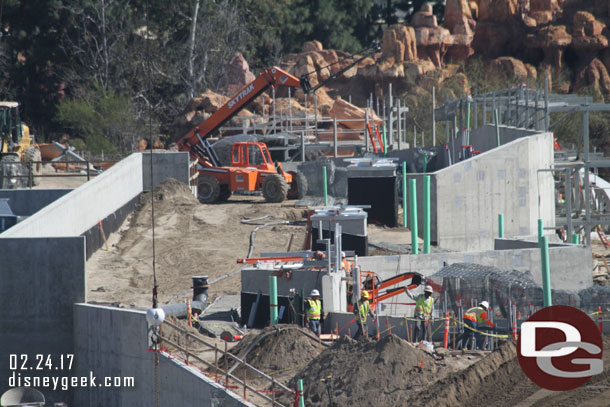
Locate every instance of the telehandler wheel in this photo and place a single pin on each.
(33, 154)
(208, 189)
(275, 188)
(298, 187)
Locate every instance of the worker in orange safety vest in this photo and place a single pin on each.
(347, 265)
(476, 316)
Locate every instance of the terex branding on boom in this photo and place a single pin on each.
(241, 95)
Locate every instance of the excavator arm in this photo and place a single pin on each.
(194, 140)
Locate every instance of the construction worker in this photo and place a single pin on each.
(476, 316)
(314, 312)
(362, 311)
(347, 265)
(423, 311)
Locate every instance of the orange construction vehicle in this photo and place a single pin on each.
(251, 166)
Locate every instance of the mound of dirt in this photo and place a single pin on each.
(489, 381)
(278, 350)
(368, 373)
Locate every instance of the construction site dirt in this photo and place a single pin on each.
(197, 239)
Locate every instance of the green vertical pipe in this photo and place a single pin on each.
(324, 182)
(500, 225)
(468, 123)
(404, 194)
(540, 231)
(301, 395)
(426, 214)
(413, 214)
(385, 141)
(575, 239)
(425, 161)
(273, 299)
(546, 272)
(497, 126)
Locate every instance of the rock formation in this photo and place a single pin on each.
(236, 75)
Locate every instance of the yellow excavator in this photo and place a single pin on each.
(19, 154)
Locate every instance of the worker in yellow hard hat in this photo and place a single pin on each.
(362, 312)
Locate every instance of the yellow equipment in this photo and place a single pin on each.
(17, 148)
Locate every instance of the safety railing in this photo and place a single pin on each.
(225, 375)
(87, 167)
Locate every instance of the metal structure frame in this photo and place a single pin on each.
(531, 108)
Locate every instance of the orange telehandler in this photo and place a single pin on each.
(251, 166)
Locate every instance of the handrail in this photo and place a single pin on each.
(226, 355)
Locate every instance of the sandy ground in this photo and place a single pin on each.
(60, 180)
(191, 239)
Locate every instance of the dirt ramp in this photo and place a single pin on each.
(278, 350)
(487, 382)
(367, 373)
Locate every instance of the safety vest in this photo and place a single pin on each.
(363, 311)
(424, 306)
(315, 309)
(347, 266)
(477, 314)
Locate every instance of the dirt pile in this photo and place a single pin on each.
(494, 375)
(278, 350)
(367, 373)
(190, 239)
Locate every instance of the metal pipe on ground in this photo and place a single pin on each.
(199, 302)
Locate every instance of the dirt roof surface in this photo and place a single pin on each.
(190, 239)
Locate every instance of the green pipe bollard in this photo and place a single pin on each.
(404, 194)
(300, 393)
(497, 127)
(501, 226)
(425, 161)
(426, 214)
(575, 238)
(324, 182)
(385, 142)
(413, 214)
(468, 123)
(273, 300)
(546, 272)
(540, 231)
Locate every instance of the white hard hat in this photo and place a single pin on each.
(484, 304)
(428, 289)
(342, 254)
(315, 292)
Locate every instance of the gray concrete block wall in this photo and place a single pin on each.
(26, 202)
(253, 281)
(81, 209)
(471, 194)
(165, 164)
(41, 279)
(113, 342)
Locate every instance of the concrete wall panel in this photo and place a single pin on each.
(165, 165)
(26, 202)
(41, 279)
(113, 342)
(80, 210)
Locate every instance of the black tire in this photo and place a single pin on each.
(33, 154)
(208, 189)
(225, 193)
(298, 187)
(275, 188)
(10, 165)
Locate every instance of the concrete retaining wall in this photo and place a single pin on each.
(26, 202)
(80, 210)
(113, 342)
(41, 279)
(165, 165)
(471, 194)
